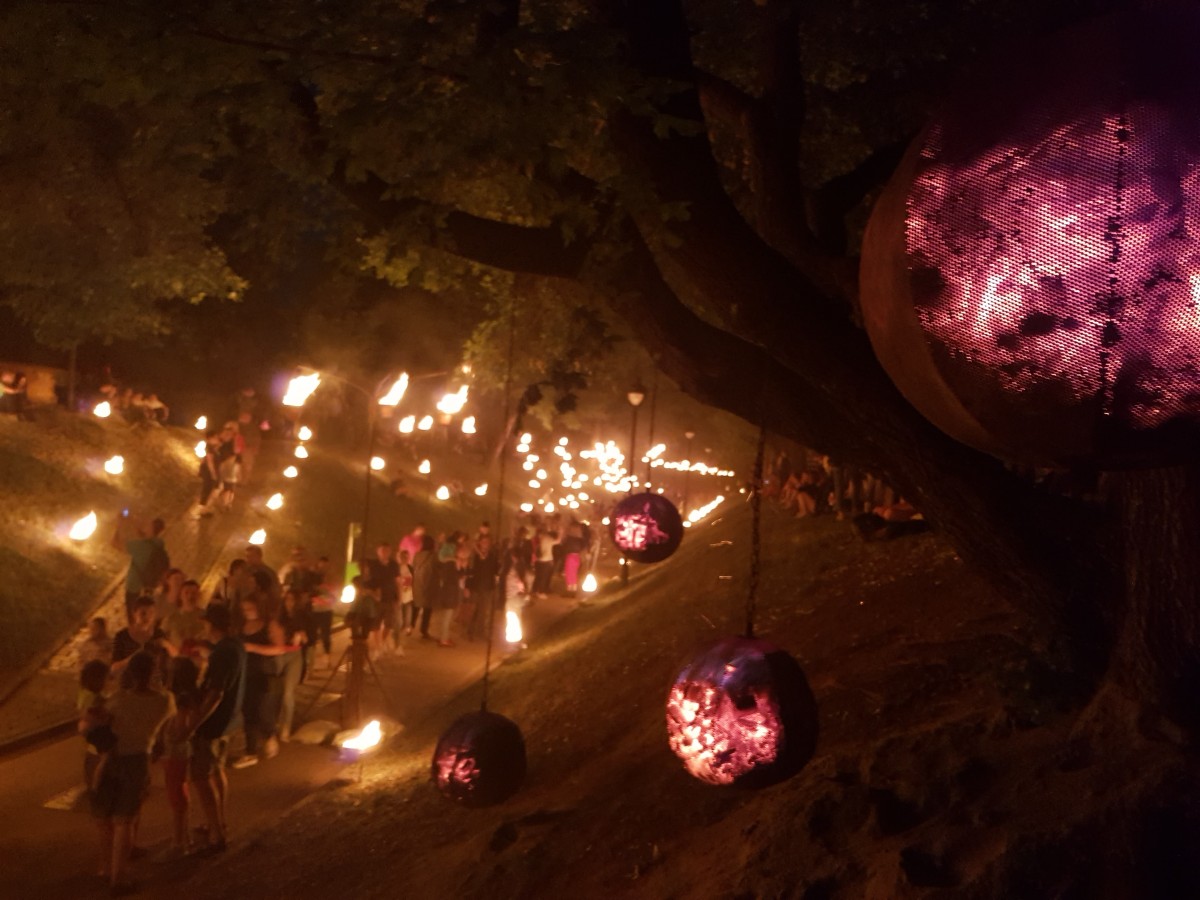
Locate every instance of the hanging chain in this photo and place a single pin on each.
(499, 597)
(755, 528)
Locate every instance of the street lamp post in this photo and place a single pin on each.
(687, 473)
(635, 395)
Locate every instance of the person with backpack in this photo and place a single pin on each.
(148, 557)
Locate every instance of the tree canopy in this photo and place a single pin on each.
(699, 170)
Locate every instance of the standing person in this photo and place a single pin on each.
(229, 466)
(572, 547)
(138, 711)
(425, 572)
(251, 442)
(166, 597)
(217, 716)
(236, 585)
(148, 557)
(209, 472)
(183, 678)
(184, 625)
(407, 610)
(259, 671)
(483, 568)
(294, 628)
(412, 541)
(543, 565)
(451, 568)
(383, 576)
(99, 643)
(141, 634)
(320, 620)
(265, 579)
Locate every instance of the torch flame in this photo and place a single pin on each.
(305, 433)
(259, 537)
(443, 493)
(301, 452)
(396, 392)
(202, 423)
(423, 468)
(377, 463)
(291, 472)
(348, 594)
(468, 425)
(453, 403)
(370, 735)
(407, 424)
(300, 389)
(426, 423)
(512, 627)
(114, 465)
(200, 449)
(275, 501)
(84, 528)
(103, 410)
(481, 491)
(589, 584)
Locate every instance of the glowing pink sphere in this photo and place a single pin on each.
(741, 713)
(1031, 277)
(479, 760)
(646, 527)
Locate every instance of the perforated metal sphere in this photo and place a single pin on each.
(646, 528)
(479, 760)
(1031, 277)
(741, 713)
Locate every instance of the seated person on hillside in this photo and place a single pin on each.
(886, 522)
(14, 397)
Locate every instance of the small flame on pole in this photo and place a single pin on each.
(114, 465)
(396, 392)
(300, 388)
(453, 403)
(291, 472)
(407, 424)
(102, 410)
(377, 463)
(424, 468)
(348, 594)
(275, 501)
(305, 433)
(202, 423)
(590, 585)
(425, 424)
(84, 528)
(259, 537)
(468, 426)
(512, 627)
(201, 449)
(481, 491)
(443, 493)
(301, 452)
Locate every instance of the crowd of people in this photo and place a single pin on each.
(199, 688)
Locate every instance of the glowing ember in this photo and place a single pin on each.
(83, 528)
(300, 388)
(741, 713)
(348, 594)
(442, 493)
(453, 403)
(479, 760)
(395, 393)
(291, 472)
(301, 452)
(114, 465)
(512, 627)
(407, 424)
(305, 433)
(590, 585)
(102, 410)
(425, 424)
(370, 735)
(468, 426)
(259, 537)
(378, 463)
(424, 467)
(202, 423)
(481, 491)
(201, 449)
(275, 501)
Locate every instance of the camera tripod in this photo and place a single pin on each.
(356, 659)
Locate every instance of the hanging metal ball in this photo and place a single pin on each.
(741, 713)
(1031, 277)
(480, 759)
(646, 527)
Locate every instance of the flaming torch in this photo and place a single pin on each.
(300, 388)
(451, 404)
(359, 743)
(275, 501)
(102, 410)
(83, 528)
(259, 537)
(114, 465)
(512, 627)
(407, 424)
(202, 423)
(377, 463)
(305, 433)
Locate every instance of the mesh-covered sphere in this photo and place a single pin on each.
(741, 713)
(480, 759)
(646, 528)
(1031, 277)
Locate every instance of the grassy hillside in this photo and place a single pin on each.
(52, 474)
